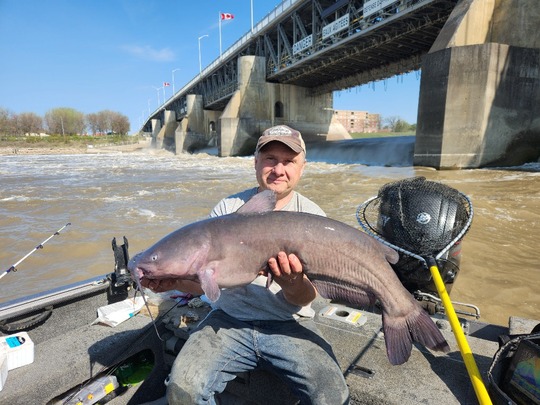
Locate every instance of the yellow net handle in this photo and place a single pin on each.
(464, 348)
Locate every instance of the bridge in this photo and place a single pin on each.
(480, 62)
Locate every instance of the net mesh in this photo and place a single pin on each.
(419, 219)
(423, 218)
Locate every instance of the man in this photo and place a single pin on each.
(254, 326)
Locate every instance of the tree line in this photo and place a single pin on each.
(63, 121)
(397, 124)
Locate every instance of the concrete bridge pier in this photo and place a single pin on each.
(257, 105)
(480, 89)
(193, 132)
(156, 128)
(166, 134)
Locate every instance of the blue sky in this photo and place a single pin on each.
(94, 55)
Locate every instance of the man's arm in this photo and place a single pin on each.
(287, 272)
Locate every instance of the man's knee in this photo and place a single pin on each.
(178, 395)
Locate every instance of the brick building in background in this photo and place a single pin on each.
(358, 121)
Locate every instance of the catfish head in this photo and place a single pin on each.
(186, 252)
(177, 256)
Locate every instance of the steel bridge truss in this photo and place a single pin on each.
(328, 45)
(334, 45)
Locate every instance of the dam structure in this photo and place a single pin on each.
(479, 101)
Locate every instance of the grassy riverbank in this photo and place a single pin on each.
(359, 135)
(11, 145)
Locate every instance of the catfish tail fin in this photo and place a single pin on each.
(400, 333)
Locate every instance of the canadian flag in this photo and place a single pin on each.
(166, 84)
(227, 16)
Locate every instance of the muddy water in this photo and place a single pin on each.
(144, 196)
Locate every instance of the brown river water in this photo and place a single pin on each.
(145, 195)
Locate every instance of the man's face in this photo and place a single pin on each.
(279, 168)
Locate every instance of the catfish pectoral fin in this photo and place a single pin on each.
(209, 284)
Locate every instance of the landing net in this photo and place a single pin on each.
(421, 220)
(417, 217)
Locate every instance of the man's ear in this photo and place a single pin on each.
(303, 167)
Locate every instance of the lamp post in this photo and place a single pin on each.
(175, 70)
(251, 4)
(200, 63)
(158, 89)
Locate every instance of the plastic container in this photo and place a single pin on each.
(118, 312)
(94, 391)
(3, 368)
(19, 349)
(135, 370)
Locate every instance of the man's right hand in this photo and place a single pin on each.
(287, 272)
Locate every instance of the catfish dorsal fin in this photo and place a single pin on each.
(261, 202)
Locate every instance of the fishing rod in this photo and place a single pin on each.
(13, 268)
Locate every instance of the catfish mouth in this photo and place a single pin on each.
(142, 268)
(137, 269)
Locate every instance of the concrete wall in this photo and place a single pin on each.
(480, 88)
(253, 106)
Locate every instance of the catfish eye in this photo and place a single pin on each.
(154, 257)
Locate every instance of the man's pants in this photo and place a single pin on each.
(223, 346)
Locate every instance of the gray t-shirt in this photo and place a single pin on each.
(254, 301)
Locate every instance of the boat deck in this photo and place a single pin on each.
(428, 377)
(69, 351)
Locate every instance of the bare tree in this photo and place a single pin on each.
(92, 121)
(390, 122)
(106, 122)
(7, 122)
(119, 124)
(396, 124)
(29, 123)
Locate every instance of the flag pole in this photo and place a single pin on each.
(219, 17)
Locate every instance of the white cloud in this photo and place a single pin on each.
(148, 53)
